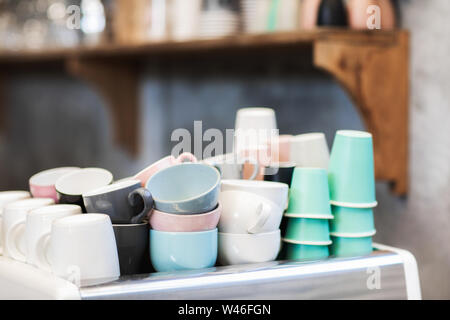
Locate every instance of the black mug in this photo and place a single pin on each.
(282, 173)
(132, 242)
(125, 202)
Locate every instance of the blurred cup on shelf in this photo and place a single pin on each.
(283, 15)
(42, 184)
(305, 252)
(255, 14)
(351, 245)
(351, 173)
(309, 10)
(185, 16)
(310, 150)
(352, 220)
(133, 21)
(248, 248)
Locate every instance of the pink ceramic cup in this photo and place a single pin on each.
(169, 222)
(42, 184)
(164, 163)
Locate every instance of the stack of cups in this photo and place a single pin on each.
(184, 220)
(307, 233)
(352, 191)
(250, 223)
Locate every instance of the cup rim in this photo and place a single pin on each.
(308, 243)
(308, 136)
(309, 216)
(126, 225)
(250, 235)
(115, 186)
(215, 230)
(56, 208)
(82, 220)
(254, 183)
(28, 204)
(54, 173)
(354, 134)
(353, 235)
(355, 205)
(70, 174)
(154, 164)
(218, 208)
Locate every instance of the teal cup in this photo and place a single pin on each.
(352, 220)
(309, 193)
(307, 230)
(172, 251)
(305, 252)
(351, 170)
(350, 247)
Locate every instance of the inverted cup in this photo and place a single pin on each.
(352, 220)
(310, 150)
(351, 171)
(305, 252)
(305, 229)
(309, 193)
(42, 184)
(350, 246)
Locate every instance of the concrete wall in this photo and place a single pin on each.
(55, 121)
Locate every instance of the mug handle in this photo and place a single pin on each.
(255, 164)
(12, 241)
(42, 249)
(146, 197)
(263, 213)
(186, 157)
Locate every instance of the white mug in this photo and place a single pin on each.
(81, 249)
(245, 212)
(248, 248)
(274, 191)
(14, 218)
(310, 150)
(39, 222)
(7, 197)
(232, 167)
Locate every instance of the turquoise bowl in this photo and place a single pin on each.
(352, 220)
(171, 251)
(350, 247)
(307, 230)
(351, 174)
(305, 252)
(309, 193)
(188, 188)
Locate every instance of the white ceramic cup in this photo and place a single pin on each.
(39, 222)
(274, 191)
(14, 218)
(248, 248)
(7, 197)
(245, 212)
(310, 150)
(81, 249)
(232, 167)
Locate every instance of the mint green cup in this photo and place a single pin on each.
(352, 220)
(351, 174)
(309, 193)
(305, 252)
(350, 247)
(310, 230)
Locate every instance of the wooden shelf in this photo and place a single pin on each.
(372, 66)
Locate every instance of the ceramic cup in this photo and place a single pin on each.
(309, 192)
(284, 147)
(133, 248)
(14, 218)
(168, 222)
(230, 167)
(124, 202)
(248, 248)
(350, 245)
(310, 150)
(352, 220)
(245, 212)
(39, 222)
(144, 175)
(281, 173)
(351, 173)
(171, 251)
(305, 252)
(81, 249)
(274, 191)
(71, 186)
(7, 197)
(42, 184)
(187, 188)
(306, 229)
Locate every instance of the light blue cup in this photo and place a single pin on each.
(350, 247)
(305, 252)
(309, 193)
(171, 251)
(351, 170)
(188, 188)
(352, 220)
(305, 229)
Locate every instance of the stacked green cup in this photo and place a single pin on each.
(352, 193)
(307, 233)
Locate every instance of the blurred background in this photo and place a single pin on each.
(51, 119)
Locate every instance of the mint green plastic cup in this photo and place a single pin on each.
(309, 193)
(352, 220)
(305, 252)
(351, 170)
(350, 247)
(310, 230)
